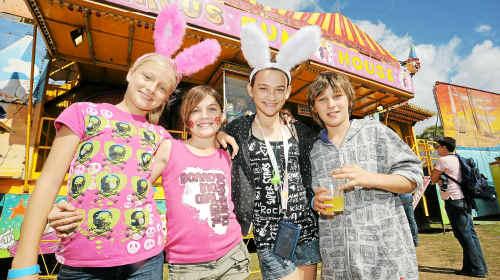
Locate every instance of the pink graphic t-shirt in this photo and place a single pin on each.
(109, 180)
(200, 220)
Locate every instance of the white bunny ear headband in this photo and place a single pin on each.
(170, 27)
(297, 49)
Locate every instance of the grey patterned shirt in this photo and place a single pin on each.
(371, 240)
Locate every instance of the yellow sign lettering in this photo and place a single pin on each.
(379, 70)
(344, 59)
(270, 30)
(247, 20)
(191, 8)
(356, 62)
(215, 14)
(369, 67)
(390, 77)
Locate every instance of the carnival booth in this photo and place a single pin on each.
(92, 43)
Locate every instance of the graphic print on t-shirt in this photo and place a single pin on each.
(144, 159)
(140, 186)
(87, 150)
(148, 137)
(110, 184)
(207, 191)
(137, 219)
(116, 153)
(123, 129)
(78, 185)
(102, 221)
(94, 124)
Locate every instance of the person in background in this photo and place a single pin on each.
(287, 115)
(458, 211)
(407, 200)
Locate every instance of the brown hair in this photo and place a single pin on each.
(194, 96)
(154, 115)
(338, 82)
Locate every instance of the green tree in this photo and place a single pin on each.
(431, 132)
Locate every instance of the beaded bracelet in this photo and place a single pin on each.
(25, 271)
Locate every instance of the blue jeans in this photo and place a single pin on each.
(463, 229)
(150, 269)
(407, 200)
(273, 266)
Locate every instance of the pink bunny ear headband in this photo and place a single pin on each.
(170, 27)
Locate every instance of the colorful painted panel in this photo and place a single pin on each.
(12, 210)
(470, 116)
(13, 207)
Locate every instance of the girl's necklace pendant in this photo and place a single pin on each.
(276, 180)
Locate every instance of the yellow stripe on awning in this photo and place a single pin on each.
(338, 31)
(368, 40)
(358, 36)
(380, 48)
(282, 11)
(326, 22)
(348, 29)
(313, 18)
(298, 15)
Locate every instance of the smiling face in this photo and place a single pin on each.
(201, 111)
(150, 83)
(332, 107)
(329, 95)
(269, 91)
(205, 119)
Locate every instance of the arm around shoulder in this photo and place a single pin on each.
(161, 158)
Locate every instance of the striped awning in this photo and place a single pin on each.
(335, 27)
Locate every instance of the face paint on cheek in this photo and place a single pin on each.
(190, 124)
(218, 120)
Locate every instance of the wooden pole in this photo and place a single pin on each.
(27, 169)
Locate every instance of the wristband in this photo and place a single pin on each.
(25, 271)
(312, 201)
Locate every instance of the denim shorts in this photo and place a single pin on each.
(273, 266)
(151, 268)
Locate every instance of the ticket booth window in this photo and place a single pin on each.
(237, 101)
(232, 80)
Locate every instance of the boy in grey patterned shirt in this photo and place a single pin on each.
(371, 239)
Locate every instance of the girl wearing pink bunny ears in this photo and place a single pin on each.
(107, 150)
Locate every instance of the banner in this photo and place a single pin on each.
(417, 195)
(471, 116)
(216, 16)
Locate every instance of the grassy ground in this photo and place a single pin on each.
(439, 254)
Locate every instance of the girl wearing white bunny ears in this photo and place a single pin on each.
(271, 174)
(107, 150)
